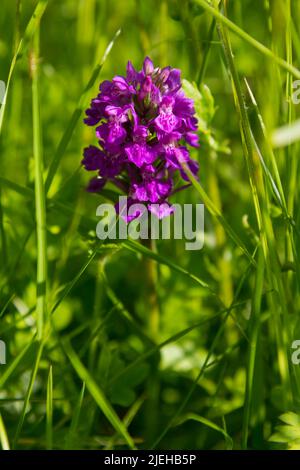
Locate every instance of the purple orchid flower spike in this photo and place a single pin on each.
(144, 124)
(148, 66)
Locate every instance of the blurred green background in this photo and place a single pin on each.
(204, 389)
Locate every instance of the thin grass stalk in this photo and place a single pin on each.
(249, 39)
(28, 393)
(98, 394)
(40, 200)
(206, 52)
(49, 411)
(292, 161)
(152, 297)
(3, 234)
(3, 435)
(252, 353)
(207, 359)
(30, 29)
(153, 312)
(71, 435)
(66, 137)
(261, 204)
(224, 264)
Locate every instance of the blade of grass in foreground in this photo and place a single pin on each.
(206, 422)
(97, 394)
(3, 235)
(123, 311)
(75, 116)
(134, 246)
(22, 190)
(29, 31)
(40, 201)
(14, 364)
(127, 420)
(253, 335)
(71, 435)
(249, 39)
(173, 420)
(268, 149)
(70, 286)
(216, 213)
(28, 393)
(172, 339)
(261, 200)
(206, 52)
(206, 361)
(49, 411)
(3, 435)
(3, 309)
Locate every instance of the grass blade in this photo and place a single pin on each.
(22, 190)
(3, 435)
(253, 335)
(40, 201)
(138, 247)
(206, 422)
(14, 365)
(216, 213)
(28, 393)
(98, 395)
(49, 411)
(249, 39)
(71, 436)
(29, 31)
(261, 203)
(76, 116)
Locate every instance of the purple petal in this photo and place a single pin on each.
(193, 166)
(140, 133)
(140, 192)
(146, 87)
(96, 184)
(123, 208)
(116, 134)
(139, 154)
(92, 158)
(106, 86)
(131, 73)
(164, 74)
(175, 155)
(183, 106)
(173, 80)
(166, 122)
(192, 139)
(161, 210)
(148, 66)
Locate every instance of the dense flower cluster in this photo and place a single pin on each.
(143, 122)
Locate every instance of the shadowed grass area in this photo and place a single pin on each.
(116, 344)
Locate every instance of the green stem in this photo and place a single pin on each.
(152, 298)
(253, 344)
(266, 230)
(40, 203)
(153, 385)
(206, 52)
(29, 31)
(242, 34)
